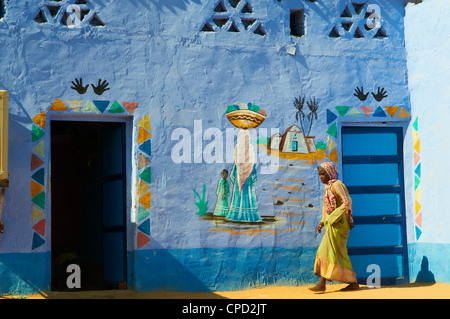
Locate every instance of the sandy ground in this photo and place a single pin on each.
(410, 291)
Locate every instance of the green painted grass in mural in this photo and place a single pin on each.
(202, 204)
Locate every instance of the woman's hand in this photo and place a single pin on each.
(319, 227)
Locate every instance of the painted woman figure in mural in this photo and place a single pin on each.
(332, 262)
(222, 192)
(244, 207)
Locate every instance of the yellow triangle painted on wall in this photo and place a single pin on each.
(36, 214)
(419, 194)
(417, 146)
(145, 122)
(415, 136)
(142, 187)
(418, 207)
(58, 105)
(39, 149)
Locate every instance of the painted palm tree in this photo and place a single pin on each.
(313, 106)
(300, 116)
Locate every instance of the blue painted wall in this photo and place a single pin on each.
(154, 53)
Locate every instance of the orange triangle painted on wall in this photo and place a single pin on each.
(391, 110)
(130, 106)
(36, 188)
(142, 187)
(143, 135)
(58, 105)
(145, 200)
(40, 119)
(333, 156)
(419, 220)
(403, 114)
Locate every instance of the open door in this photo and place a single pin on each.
(88, 203)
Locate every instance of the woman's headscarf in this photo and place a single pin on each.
(244, 157)
(331, 171)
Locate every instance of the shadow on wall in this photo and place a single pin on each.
(425, 276)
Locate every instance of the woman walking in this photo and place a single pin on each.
(332, 262)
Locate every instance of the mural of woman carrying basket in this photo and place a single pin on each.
(244, 207)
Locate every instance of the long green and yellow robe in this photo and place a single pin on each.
(332, 261)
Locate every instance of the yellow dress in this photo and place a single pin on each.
(332, 261)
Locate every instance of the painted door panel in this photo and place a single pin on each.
(372, 165)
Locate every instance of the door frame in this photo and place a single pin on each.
(129, 172)
(401, 137)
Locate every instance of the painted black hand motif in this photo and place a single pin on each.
(360, 93)
(381, 94)
(101, 87)
(78, 86)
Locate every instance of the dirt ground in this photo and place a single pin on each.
(409, 291)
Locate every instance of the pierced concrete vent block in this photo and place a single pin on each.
(260, 30)
(234, 3)
(220, 7)
(207, 27)
(53, 9)
(247, 22)
(220, 22)
(358, 33)
(347, 25)
(334, 33)
(358, 7)
(40, 17)
(380, 33)
(247, 8)
(233, 27)
(346, 13)
(96, 21)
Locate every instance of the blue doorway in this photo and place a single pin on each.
(372, 169)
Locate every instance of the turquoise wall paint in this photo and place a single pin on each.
(222, 269)
(429, 262)
(154, 53)
(426, 41)
(24, 273)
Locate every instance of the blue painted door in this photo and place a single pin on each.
(372, 164)
(114, 206)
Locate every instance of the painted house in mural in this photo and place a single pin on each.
(294, 141)
(108, 139)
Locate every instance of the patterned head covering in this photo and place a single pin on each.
(331, 171)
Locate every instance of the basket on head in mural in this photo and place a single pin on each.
(246, 116)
